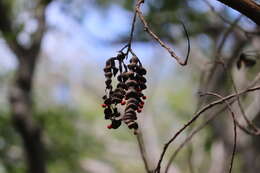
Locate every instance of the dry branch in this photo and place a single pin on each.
(196, 116)
(247, 7)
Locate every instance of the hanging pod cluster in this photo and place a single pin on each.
(126, 93)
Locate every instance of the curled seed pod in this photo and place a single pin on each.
(132, 106)
(142, 79)
(107, 69)
(132, 100)
(142, 86)
(134, 60)
(130, 83)
(118, 95)
(120, 90)
(108, 101)
(125, 76)
(116, 100)
(131, 74)
(108, 82)
(141, 71)
(108, 74)
(104, 97)
(120, 78)
(131, 93)
(132, 125)
(108, 113)
(122, 85)
(121, 56)
(130, 110)
(132, 66)
(115, 124)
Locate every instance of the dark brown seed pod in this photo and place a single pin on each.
(122, 85)
(121, 56)
(118, 95)
(107, 111)
(108, 101)
(108, 82)
(132, 100)
(132, 66)
(125, 76)
(120, 90)
(131, 93)
(131, 74)
(131, 106)
(130, 83)
(132, 125)
(129, 117)
(142, 86)
(141, 71)
(104, 97)
(116, 100)
(107, 69)
(115, 124)
(108, 74)
(134, 60)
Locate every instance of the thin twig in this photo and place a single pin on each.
(235, 128)
(249, 123)
(196, 116)
(153, 35)
(188, 138)
(213, 10)
(142, 151)
(226, 34)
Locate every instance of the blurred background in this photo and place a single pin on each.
(68, 85)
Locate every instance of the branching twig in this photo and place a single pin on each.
(249, 123)
(253, 83)
(226, 20)
(188, 138)
(235, 128)
(196, 116)
(153, 35)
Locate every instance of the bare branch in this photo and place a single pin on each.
(235, 128)
(196, 116)
(247, 7)
(153, 35)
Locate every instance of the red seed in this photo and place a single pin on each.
(123, 102)
(144, 97)
(139, 110)
(104, 105)
(109, 126)
(141, 106)
(142, 103)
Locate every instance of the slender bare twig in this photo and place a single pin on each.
(235, 128)
(143, 151)
(227, 21)
(153, 35)
(249, 123)
(188, 138)
(196, 116)
(226, 34)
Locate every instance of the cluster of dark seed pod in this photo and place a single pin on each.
(128, 92)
